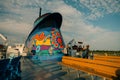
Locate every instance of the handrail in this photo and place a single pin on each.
(115, 59)
(98, 62)
(110, 57)
(95, 67)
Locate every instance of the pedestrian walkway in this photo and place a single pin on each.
(36, 70)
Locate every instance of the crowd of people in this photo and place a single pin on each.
(77, 51)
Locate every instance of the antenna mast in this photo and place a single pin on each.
(40, 11)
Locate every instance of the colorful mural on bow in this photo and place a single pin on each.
(47, 40)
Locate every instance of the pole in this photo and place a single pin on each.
(40, 12)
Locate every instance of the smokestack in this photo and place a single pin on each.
(40, 12)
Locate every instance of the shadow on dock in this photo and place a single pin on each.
(36, 70)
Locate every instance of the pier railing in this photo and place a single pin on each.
(102, 68)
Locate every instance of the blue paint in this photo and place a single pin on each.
(48, 58)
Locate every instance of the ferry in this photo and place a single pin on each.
(45, 41)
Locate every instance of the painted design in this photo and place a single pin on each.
(45, 40)
(37, 49)
(56, 39)
(41, 39)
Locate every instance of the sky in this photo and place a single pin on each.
(94, 22)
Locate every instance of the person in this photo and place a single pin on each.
(69, 50)
(74, 50)
(91, 55)
(65, 51)
(23, 56)
(18, 52)
(11, 56)
(85, 53)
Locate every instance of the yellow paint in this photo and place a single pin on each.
(42, 42)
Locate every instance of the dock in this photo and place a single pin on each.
(36, 70)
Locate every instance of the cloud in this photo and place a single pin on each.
(106, 41)
(15, 30)
(99, 8)
(97, 37)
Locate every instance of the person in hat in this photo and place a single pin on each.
(85, 53)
